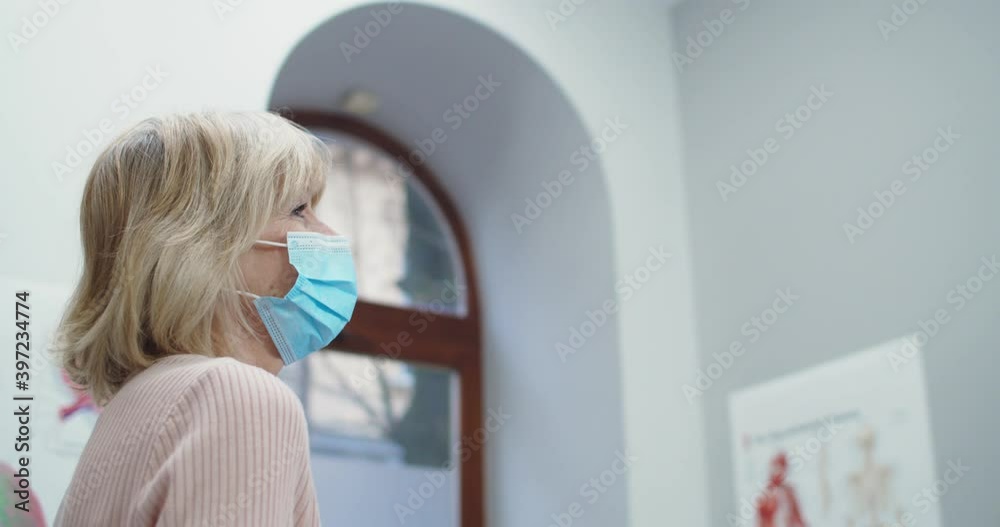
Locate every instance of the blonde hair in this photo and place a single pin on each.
(168, 208)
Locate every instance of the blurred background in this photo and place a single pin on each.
(702, 262)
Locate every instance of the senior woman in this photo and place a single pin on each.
(205, 271)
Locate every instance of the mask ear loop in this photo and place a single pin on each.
(272, 244)
(264, 242)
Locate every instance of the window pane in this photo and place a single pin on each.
(380, 430)
(377, 408)
(405, 251)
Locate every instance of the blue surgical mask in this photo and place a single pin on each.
(320, 303)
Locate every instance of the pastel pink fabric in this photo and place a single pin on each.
(196, 441)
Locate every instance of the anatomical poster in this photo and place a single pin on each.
(844, 444)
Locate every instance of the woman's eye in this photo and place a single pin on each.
(298, 211)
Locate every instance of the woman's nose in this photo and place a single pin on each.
(323, 228)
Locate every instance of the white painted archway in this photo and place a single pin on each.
(536, 279)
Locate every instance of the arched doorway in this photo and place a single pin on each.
(492, 156)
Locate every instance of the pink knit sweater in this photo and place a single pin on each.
(196, 441)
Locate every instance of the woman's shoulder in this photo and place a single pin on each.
(230, 378)
(216, 384)
(198, 367)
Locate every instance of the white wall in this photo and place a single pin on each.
(610, 61)
(784, 227)
(353, 491)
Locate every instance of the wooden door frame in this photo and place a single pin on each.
(448, 341)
